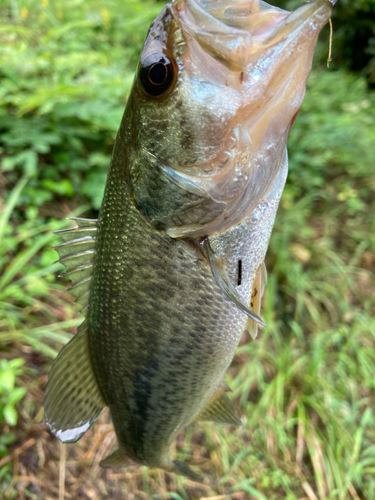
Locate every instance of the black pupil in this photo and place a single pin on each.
(157, 73)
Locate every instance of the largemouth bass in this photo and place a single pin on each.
(172, 273)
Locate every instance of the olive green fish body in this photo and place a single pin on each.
(162, 333)
(172, 273)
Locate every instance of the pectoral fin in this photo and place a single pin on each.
(259, 285)
(220, 409)
(222, 279)
(73, 400)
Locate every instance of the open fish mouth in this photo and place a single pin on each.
(238, 72)
(252, 59)
(259, 47)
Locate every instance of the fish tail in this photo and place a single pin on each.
(118, 459)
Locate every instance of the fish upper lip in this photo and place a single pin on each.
(232, 46)
(228, 44)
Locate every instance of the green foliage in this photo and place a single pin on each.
(28, 294)
(65, 72)
(306, 388)
(6, 471)
(331, 144)
(9, 393)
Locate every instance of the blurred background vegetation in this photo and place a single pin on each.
(306, 387)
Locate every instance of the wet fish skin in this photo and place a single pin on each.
(200, 161)
(168, 345)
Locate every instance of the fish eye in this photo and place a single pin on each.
(157, 74)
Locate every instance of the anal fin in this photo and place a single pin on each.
(115, 459)
(222, 279)
(220, 409)
(259, 285)
(73, 400)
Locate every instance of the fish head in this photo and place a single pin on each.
(218, 86)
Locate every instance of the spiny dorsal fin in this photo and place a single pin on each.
(220, 409)
(222, 279)
(73, 400)
(77, 254)
(259, 285)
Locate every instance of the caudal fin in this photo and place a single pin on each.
(118, 459)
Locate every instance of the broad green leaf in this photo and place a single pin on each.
(10, 414)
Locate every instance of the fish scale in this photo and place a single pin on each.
(185, 334)
(172, 273)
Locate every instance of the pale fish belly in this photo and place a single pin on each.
(248, 242)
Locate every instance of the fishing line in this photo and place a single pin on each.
(329, 59)
(330, 43)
